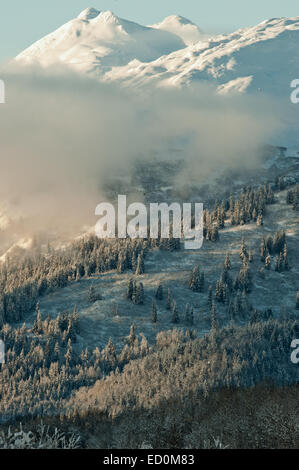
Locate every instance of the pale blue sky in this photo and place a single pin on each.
(24, 21)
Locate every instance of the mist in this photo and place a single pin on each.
(63, 135)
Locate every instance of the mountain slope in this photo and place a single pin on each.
(95, 41)
(261, 58)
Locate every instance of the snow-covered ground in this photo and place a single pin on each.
(113, 315)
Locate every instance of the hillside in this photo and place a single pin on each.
(113, 315)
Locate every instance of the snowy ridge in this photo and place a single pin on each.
(263, 58)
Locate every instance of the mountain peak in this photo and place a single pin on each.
(178, 19)
(182, 27)
(109, 17)
(89, 14)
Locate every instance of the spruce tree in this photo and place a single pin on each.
(109, 354)
(132, 335)
(214, 324)
(130, 289)
(140, 265)
(154, 312)
(38, 324)
(187, 313)
(91, 294)
(159, 292)
(210, 296)
(201, 285)
(120, 264)
(215, 234)
(263, 250)
(76, 320)
(285, 257)
(194, 282)
(169, 300)
(174, 313)
(191, 317)
(243, 251)
(139, 297)
(227, 263)
(259, 220)
(268, 262)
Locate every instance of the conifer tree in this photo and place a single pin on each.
(154, 312)
(69, 353)
(109, 353)
(132, 335)
(38, 324)
(263, 250)
(174, 313)
(91, 294)
(243, 251)
(194, 282)
(214, 324)
(120, 264)
(285, 257)
(140, 265)
(139, 296)
(269, 244)
(191, 317)
(76, 320)
(130, 289)
(187, 313)
(169, 300)
(260, 220)
(227, 263)
(268, 262)
(134, 262)
(159, 292)
(245, 278)
(210, 296)
(201, 285)
(215, 234)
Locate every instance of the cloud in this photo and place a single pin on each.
(62, 135)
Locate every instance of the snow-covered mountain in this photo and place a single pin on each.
(262, 58)
(97, 41)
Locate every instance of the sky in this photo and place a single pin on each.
(24, 22)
